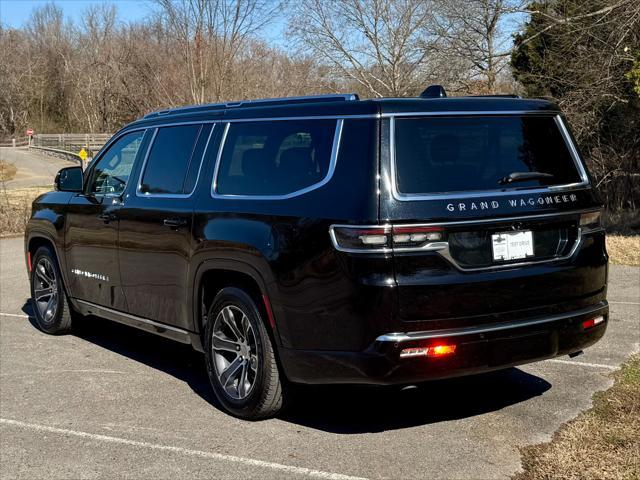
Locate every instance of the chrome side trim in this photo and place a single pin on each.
(145, 324)
(332, 166)
(408, 197)
(141, 194)
(456, 332)
(442, 248)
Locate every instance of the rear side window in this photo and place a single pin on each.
(275, 158)
(453, 154)
(174, 160)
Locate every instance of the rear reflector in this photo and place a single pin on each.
(433, 351)
(592, 322)
(29, 261)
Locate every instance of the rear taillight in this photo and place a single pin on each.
(590, 221)
(361, 239)
(386, 238)
(416, 237)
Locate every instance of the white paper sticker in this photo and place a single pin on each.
(512, 245)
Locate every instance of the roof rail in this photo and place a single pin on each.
(330, 97)
(496, 95)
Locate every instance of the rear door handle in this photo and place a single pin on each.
(108, 217)
(174, 222)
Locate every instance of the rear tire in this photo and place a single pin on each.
(240, 358)
(50, 304)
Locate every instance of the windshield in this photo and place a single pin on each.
(462, 153)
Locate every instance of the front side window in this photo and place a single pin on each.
(111, 173)
(275, 158)
(458, 153)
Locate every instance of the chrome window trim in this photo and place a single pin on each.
(141, 194)
(408, 197)
(466, 113)
(337, 137)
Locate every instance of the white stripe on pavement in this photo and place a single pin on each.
(624, 303)
(13, 315)
(185, 451)
(584, 364)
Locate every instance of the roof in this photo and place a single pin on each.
(345, 105)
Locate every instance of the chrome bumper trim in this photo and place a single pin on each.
(456, 332)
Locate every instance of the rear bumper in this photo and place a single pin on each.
(478, 349)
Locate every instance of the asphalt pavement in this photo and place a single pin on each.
(110, 401)
(34, 168)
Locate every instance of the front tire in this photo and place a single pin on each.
(50, 305)
(240, 358)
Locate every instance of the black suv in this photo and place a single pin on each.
(329, 239)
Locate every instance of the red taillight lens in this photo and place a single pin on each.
(384, 238)
(432, 351)
(591, 221)
(361, 239)
(404, 237)
(592, 322)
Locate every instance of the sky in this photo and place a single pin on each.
(16, 13)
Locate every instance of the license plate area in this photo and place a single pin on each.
(514, 245)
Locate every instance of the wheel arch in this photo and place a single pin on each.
(39, 238)
(215, 274)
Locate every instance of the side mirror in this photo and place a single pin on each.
(69, 180)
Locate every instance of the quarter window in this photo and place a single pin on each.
(174, 160)
(111, 173)
(275, 158)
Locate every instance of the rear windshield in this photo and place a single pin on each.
(453, 154)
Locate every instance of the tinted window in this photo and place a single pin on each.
(169, 159)
(275, 158)
(111, 173)
(435, 155)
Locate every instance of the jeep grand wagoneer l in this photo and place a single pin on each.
(332, 240)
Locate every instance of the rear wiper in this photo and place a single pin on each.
(523, 177)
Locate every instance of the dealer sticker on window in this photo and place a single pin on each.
(512, 245)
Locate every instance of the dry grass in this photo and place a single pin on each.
(15, 209)
(7, 171)
(624, 250)
(603, 442)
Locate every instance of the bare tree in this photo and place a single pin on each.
(383, 46)
(210, 34)
(477, 32)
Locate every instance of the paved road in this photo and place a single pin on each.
(110, 401)
(34, 169)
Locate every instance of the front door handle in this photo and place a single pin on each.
(107, 217)
(174, 222)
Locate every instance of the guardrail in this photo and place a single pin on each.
(63, 153)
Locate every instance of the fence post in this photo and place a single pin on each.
(13, 142)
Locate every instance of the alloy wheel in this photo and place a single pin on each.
(45, 292)
(234, 352)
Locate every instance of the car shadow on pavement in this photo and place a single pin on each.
(343, 409)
